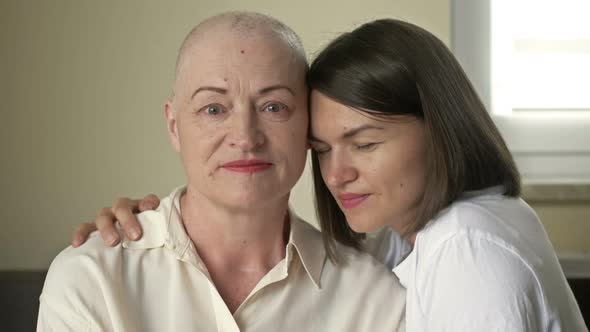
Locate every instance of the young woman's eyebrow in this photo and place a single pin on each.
(355, 131)
(349, 133)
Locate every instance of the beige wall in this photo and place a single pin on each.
(568, 225)
(83, 84)
(82, 88)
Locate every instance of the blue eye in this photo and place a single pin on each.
(274, 107)
(213, 109)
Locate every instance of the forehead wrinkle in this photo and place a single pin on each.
(275, 87)
(265, 71)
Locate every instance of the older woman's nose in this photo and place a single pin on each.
(245, 132)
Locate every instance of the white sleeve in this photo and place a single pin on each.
(68, 295)
(55, 316)
(475, 284)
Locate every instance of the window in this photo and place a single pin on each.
(530, 62)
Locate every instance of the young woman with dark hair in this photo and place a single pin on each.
(401, 140)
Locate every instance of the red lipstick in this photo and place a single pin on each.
(350, 200)
(247, 166)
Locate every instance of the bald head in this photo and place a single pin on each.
(246, 25)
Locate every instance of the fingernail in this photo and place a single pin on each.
(76, 242)
(134, 233)
(111, 239)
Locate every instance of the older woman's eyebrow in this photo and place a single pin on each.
(209, 88)
(271, 88)
(262, 91)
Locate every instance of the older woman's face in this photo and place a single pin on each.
(375, 169)
(240, 120)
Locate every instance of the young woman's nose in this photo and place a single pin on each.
(339, 171)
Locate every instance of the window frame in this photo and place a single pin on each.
(548, 148)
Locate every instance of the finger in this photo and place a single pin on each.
(126, 203)
(81, 233)
(149, 202)
(105, 222)
(123, 211)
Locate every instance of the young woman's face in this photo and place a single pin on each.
(374, 168)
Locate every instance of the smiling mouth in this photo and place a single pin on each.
(350, 201)
(247, 166)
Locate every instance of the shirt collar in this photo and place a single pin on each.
(495, 190)
(404, 268)
(164, 228)
(309, 245)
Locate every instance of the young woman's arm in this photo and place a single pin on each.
(122, 211)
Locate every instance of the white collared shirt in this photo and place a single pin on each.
(159, 283)
(486, 264)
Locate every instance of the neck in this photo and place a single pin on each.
(243, 239)
(411, 238)
(400, 226)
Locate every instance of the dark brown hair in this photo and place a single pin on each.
(389, 67)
